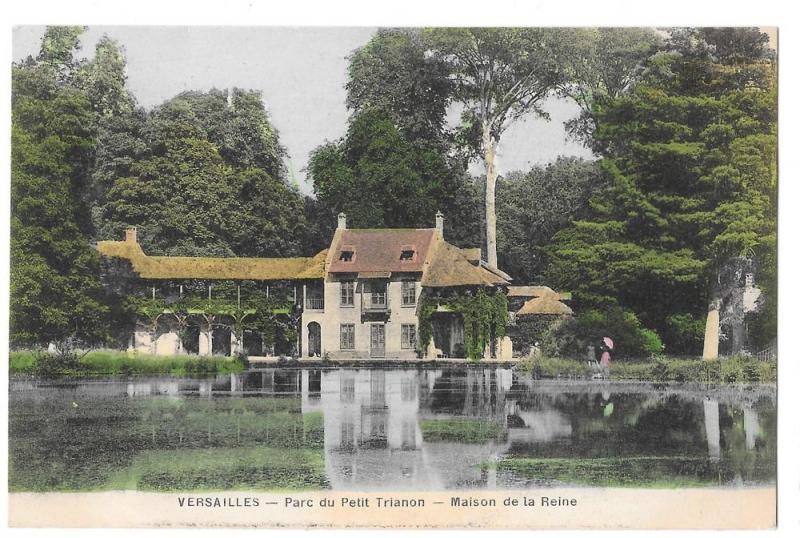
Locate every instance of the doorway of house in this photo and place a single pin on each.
(221, 341)
(377, 341)
(314, 339)
(441, 325)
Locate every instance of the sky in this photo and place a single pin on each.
(301, 73)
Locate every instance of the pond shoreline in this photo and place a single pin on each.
(116, 364)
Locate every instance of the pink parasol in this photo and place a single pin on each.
(609, 342)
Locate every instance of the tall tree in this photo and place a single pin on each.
(55, 287)
(690, 154)
(500, 75)
(394, 74)
(59, 48)
(601, 64)
(398, 144)
(104, 80)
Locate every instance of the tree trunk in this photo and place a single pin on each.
(711, 340)
(491, 179)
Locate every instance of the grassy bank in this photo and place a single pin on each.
(108, 362)
(738, 369)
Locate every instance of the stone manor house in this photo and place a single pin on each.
(358, 299)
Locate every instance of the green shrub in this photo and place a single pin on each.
(650, 341)
(685, 333)
(21, 362)
(740, 369)
(570, 337)
(113, 363)
(553, 367)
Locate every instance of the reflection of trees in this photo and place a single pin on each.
(747, 442)
(661, 435)
(638, 426)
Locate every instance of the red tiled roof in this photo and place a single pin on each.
(379, 250)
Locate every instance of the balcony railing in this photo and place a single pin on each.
(315, 303)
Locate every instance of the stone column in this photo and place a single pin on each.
(236, 344)
(205, 344)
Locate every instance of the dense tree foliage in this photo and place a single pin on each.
(55, 288)
(690, 154)
(407, 180)
(601, 63)
(535, 205)
(200, 175)
(394, 74)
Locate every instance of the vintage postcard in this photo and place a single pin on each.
(403, 277)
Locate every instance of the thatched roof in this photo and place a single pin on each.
(472, 254)
(450, 266)
(377, 254)
(537, 291)
(549, 304)
(179, 267)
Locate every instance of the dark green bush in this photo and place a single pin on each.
(570, 337)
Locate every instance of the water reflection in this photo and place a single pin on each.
(375, 429)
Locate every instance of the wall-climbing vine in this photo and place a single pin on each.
(239, 307)
(484, 314)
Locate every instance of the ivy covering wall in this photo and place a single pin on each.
(485, 316)
(240, 307)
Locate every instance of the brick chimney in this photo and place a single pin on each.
(342, 222)
(130, 234)
(440, 222)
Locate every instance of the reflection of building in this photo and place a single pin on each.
(357, 299)
(373, 435)
(371, 429)
(375, 425)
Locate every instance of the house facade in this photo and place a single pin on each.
(358, 299)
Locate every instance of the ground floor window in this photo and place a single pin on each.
(408, 336)
(347, 336)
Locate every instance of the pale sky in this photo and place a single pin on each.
(300, 72)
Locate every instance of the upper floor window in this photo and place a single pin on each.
(377, 295)
(407, 253)
(409, 292)
(348, 292)
(346, 255)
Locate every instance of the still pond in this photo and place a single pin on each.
(372, 429)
